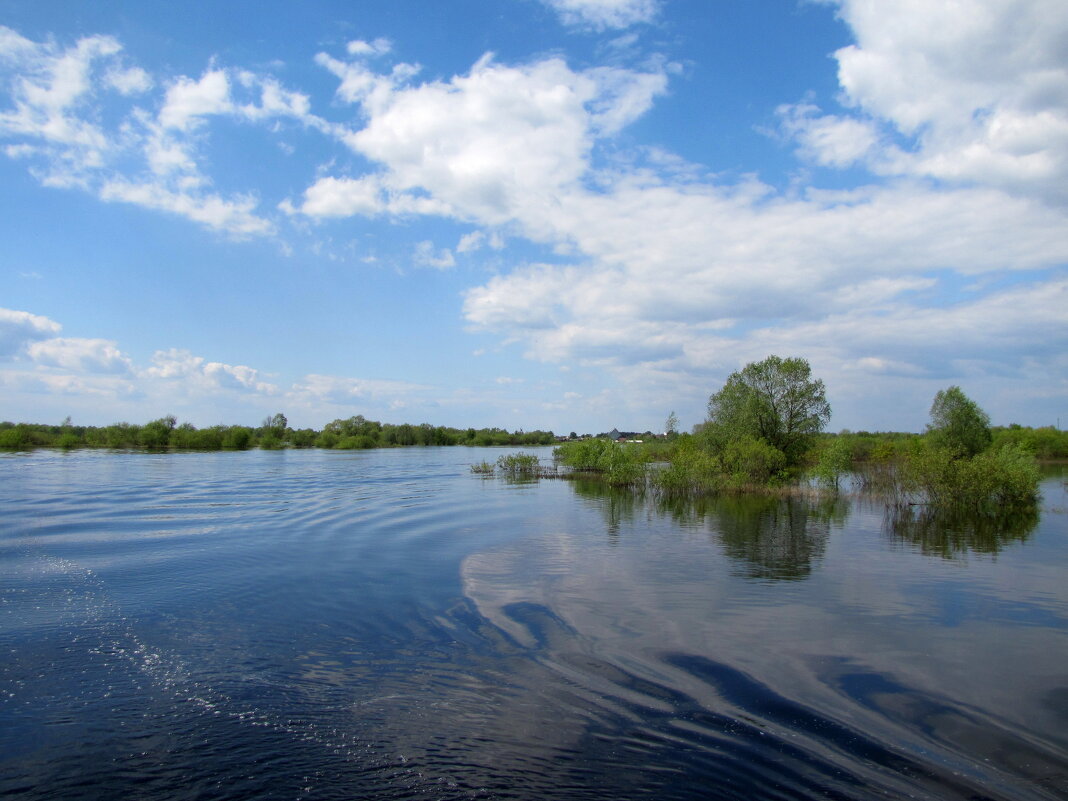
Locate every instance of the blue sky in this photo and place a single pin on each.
(565, 214)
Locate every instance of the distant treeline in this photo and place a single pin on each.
(274, 433)
(1045, 442)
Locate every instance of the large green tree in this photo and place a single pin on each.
(775, 400)
(958, 424)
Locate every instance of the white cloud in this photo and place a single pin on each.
(471, 242)
(198, 375)
(59, 96)
(378, 47)
(239, 377)
(828, 140)
(425, 256)
(81, 355)
(130, 81)
(487, 145)
(187, 100)
(368, 196)
(174, 363)
(975, 93)
(18, 329)
(602, 14)
(234, 216)
(48, 86)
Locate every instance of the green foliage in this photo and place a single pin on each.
(326, 439)
(958, 424)
(302, 437)
(584, 454)
(237, 438)
(775, 401)
(692, 470)
(1045, 442)
(518, 464)
(12, 439)
(621, 465)
(68, 440)
(990, 482)
(483, 467)
(747, 461)
(835, 458)
(156, 435)
(270, 441)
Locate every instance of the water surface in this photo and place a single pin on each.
(386, 625)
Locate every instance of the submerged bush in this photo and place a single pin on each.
(691, 470)
(748, 461)
(835, 459)
(621, 465)
(516, 464)
(992, 481)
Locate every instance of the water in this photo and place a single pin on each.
(386, 625)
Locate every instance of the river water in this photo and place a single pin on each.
(388, 625)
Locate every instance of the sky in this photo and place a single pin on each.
(573, 215)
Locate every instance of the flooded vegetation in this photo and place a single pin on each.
(385, 624)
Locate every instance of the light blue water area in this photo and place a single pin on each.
(386, 624)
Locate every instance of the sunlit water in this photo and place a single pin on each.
(387, 625)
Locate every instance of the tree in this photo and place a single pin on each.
(958, 424)
(671, 425)
(276, 423)
(775, 400)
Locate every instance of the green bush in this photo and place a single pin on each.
(517, 464)
(835, 458)
(11, 439)
(691, 470)
(1046, 442)
(989, 482)
(748, 461)
(621, 465)
(69, 440)
(237, 438)
(270, 441)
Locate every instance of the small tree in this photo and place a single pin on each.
(958, 424)
(671, 425)
(774, 400)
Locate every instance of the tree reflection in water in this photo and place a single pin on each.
(772, 538)
(953, 535)
(776, 538)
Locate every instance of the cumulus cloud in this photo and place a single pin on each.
(197, 374)
(58, 95)
(19, 329)
(483, 146)
(81, 355)
(972, 93)
(188, 101)
(602, 14)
